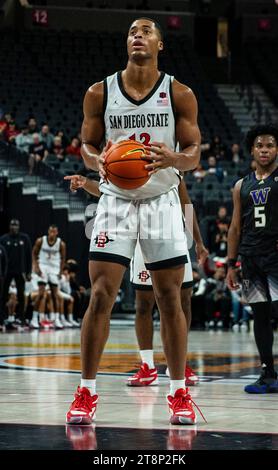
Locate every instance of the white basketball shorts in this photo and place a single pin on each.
(140, 277)
(156, 222)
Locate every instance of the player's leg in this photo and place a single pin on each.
(147, 374)
(145, 302)
(37, 299)
(258, 291)
(167, 284)
(106, 278)
(112, 246)
(164, 247)
(53, 285)
(140, 279)
(20, 286)
(191, 378)
(66, 301)
(70, 307)
(186, 293)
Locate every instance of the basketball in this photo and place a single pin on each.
(125, 164)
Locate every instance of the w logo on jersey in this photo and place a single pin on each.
(260, 196)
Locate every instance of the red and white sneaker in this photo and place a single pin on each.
(145, 376)
(181, 407)
(83, 408)
(191, 378)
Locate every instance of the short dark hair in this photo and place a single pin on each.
(156, 25)
(53, 226)
(260, 129)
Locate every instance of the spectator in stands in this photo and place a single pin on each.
(32, 126)
(221, 222)
(4, 124)
(23, 140)
(199, 173)
(198, 299)
(218, 148)
(205, 149)
(215, 169)
(218, 299)
(220, 245)
(19, 252)
(58, 149)
(74, 148)
(235, 153)
(46, 136)
(11, 132)
(65, 140)
(38, 152)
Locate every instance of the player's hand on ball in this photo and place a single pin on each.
(231, 279)
(160, 156)
(76, 182)
(101, 161)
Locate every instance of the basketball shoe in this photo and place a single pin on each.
(266, 383)
(191, 378)
(145, 376)
(83, 408)
(181, 408)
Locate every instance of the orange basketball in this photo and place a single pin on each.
(125, 164)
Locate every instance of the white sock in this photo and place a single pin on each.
(52, 316)
(35, 315)
(63, 316)
(11, 318)
(175, 385)
(70, 315)
(90, 384)
(41, 316)
(147, 357)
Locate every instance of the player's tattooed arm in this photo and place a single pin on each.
(35, 256)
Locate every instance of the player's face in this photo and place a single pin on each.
(14, 227)
(143, 41)
(52, 232)
(265, 150)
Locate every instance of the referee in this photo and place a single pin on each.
(19, 252)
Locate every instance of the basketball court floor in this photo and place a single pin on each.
(39, 372)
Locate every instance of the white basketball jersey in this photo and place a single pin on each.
(148, 120)
(49, 255)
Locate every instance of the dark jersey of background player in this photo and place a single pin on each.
(259, 209)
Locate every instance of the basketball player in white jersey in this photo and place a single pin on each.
(141, 280)
(144, 104)
(49, 254)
